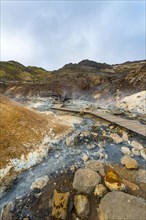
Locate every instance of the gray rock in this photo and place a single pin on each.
(121, 206)
(96, 165)
(85, 180)
(82, 206)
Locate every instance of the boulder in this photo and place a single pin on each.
(113, 181)
(85, 180)
(129, 162)
(119, 206)
(116, 138)
(100, 190)
(60, 205)
(81, 205)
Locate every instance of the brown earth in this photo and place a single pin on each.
(20, 126)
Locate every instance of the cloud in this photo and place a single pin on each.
(51, 34)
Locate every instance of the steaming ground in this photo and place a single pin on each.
(69, 147)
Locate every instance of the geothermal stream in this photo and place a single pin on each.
(61, 157)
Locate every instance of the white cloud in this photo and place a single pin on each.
(50, 34)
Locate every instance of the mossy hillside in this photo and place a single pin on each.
(12, 70)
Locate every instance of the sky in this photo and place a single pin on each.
(51, 34)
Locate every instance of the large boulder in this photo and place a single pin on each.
(85, 180)
(119, 206)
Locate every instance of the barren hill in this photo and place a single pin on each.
(87, 79)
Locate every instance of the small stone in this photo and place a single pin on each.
(82, 206)
(100, 190)
(143, 153)
(85, 180)
(135, 152)
(113, 181)
(85, 158)
(125, 150)
(116, 138)
(91, 146)
(60, 205)
(40, 182)
(70, 141)
(101, 144)
(96, 165)
(121, 206)
(136, 145)
(125, 137)
(129, 162)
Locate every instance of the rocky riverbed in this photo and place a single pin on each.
(84, 175)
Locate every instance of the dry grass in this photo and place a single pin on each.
(20, 126)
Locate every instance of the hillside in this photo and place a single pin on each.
(86, 79)
(14, 71)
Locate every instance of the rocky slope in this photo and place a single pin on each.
(87, 79)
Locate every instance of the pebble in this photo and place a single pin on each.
(125, 137)
(136, 145)
(125, 150)
(85, 158)
(40, 182)
(116, 138)
(135, 152)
